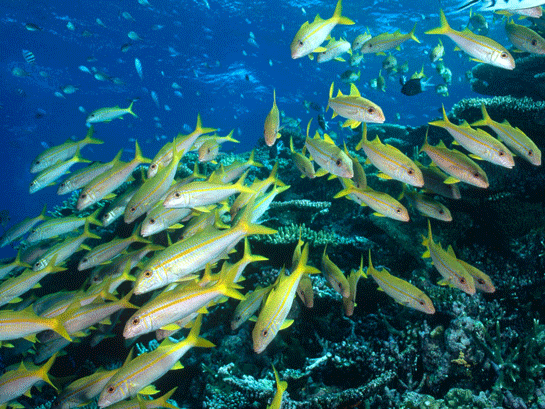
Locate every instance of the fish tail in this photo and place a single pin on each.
(248, 256)
(344, 192)
(291, 145)
(274, 97)
(78, 158)
(129, 110)
(230, 138)
(411, 34)
(444, 28)
(193, 336)
(89, 139)
(125, 300)
(430, 237)
(337, 15)
(87, 233)
(363, 137)
(252, 161)
(200, 129)
(302, 262)
(92, 218)
(240, 185)
(42, 215)
(248, 227)
(138, 157)
(330, 96)
(43, 370)
(370, 267)
(57, 323)
(425, 144)
(161, 402)
(486, 118)
(360, 271)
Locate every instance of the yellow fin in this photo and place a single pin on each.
(149, 390)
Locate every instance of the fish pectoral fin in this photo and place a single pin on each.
(201, 209)
(340, 59)
(477, 157)
(286, 324)
(177, 365)
(477, 60)
(110, 196)
(19, 299)
(378, 214)
(311, 56)
(149, 390)
(253, 318)
(321, 172)
(381, 53)
(31, 338)
(384, 176)
(451, 180)
(319, 50)
(28, 394)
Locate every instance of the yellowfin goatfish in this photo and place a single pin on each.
(183, 143)
(248, 306)
(281, 386)
(391, 161)
(437, 52)
(23, 227)
(141, 403)
(400, 290)
(426, 205)
(478, 142)
(387, 41)
(524, 38)
(83, 390)
(434, 179)
(145, 369)
(6, 268)
(83, 176)
(153, 189)
(272, 317)
(199, 194)
(482, 281)
(19, 381)
(160, 218)
(303, 163)
(236, 169)
(349, 303)
(456, 164)
(334, 276)
(272, 124)
(117, 207)
(311, 35)
(107, 114)
(382, 203)
(171, 306)
(50, 175)
(209, 151)
(512, 137)
(329, 156)
(360, 40)
(454, 273)
(106, 183)
(25, 324)
(491, 5)
(481, 48)
(333, 50)
(191, 255)
(354, 107)
(62, 152)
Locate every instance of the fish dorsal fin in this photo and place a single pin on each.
(354, 90)
(328, 139)
(441, 144)
(317, 18)
(339, 93)
(450, 251)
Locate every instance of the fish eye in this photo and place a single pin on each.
(153, 166)
(338, 162)
(264, 332)
(441, 211)
(410, 171)
(371, 110)
(300, 43)
(534, 42)
(503, 55)
(398, 210)
(151, 221)
(476, 175)
(462, 280)
(480, 281)
(37, 162)
(501, 153)
(82, 196)
(37, 264)
(135, 321)
(177, 194)
(32, 183)
(84, 260)
(421, 302)
(147, 273)
(530, 152)
(111, 389)
(132, 209)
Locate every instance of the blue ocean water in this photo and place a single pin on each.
(204, 47)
